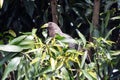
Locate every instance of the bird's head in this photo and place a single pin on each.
(52, 28)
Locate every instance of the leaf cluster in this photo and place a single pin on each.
(28, 57)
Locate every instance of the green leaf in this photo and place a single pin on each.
(87, 75)
(10, 48)
(24, 41)
(65, 73)
(46, 70)
(18, 40)
(34, 31)
(35, 60)
(82, 37)
(12, 65)
(6, 58)
(74, 51)
(107, 19)
(93, 74)
(53, 63)
(59, 64)
(84, 58)
(115, 53)
(91, 27)
(58, 37)
(26, 44)
(116, 17)
(12, 33)
(108, 55)
(54, 50)
(109, 33)
(1, 3)
(48, 40)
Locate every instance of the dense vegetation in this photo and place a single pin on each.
(27, 53)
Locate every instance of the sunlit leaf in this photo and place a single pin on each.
(116, 17)
(10, 48)
(1, 3)
(48, 40)
(35, 60)
(87, 75)
(61, 44)
(59, 64)
(75, 51)
(93, 74)
(59, 47)
(53, 63)
(115, 53)
(12, 33)
(108, 55)
(43, 57)
(34, 31)
(54, 50)
(53, 41)
(33, 50)
(65, 73)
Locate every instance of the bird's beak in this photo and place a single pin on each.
(44, 26)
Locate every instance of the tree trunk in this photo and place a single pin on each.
(54, 11)
(95, 18)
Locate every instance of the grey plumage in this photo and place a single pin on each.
(54, 29)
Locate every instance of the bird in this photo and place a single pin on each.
(54, 29)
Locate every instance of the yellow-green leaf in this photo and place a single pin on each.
(1, 3)
(34, 60)
(93, 74)
(12, 33)
(53, 63)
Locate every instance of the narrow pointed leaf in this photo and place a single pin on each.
(1, 3)
(12, 65)
(84, 58)
(109, 33)
(10, 48)
(82, 37)
(87, 75)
